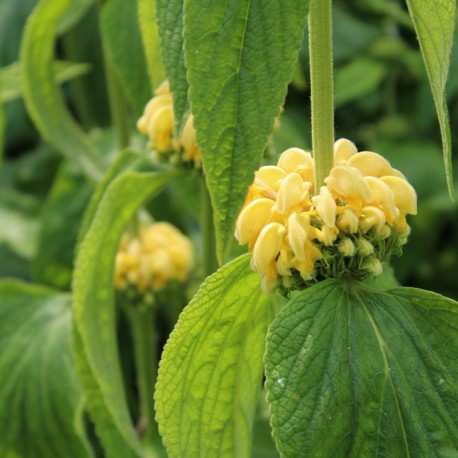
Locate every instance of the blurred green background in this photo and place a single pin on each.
(383, 103)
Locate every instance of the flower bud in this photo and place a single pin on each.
(347, 221)
(346, 247)
(364, 247)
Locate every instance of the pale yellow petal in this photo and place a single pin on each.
(267, 247)
(298, 224)
(290, 193)
(294, 158)
(326, 206)
(348, 182)
(270, 175)
(343, 150)
(369, 163)
(252, 219)
(404, 194)
(383, 196)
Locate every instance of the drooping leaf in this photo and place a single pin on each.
(10, 77)
(126, 160)
(41, 94)
(353, 371)
(40, 396)
(123, 44)
(170, 16)
(146, 11)
(94, 310)
(240, 58)
(434, 23)
(211, 367)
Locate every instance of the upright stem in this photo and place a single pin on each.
(209, 261)
(146, 359)
(321, 81)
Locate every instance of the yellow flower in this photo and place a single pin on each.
(158, 122)
(160, 254)
(354, 224)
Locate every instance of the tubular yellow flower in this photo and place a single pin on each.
(349, 228)
(159, 255)
(158, 123)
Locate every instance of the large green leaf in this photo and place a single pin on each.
(40, 396)
(211, 367)
(434, 23)
(123, 44)
(42, 96)
(94, 310)
(10, 77)
(170, 21)
(150, 38)
(240, 59)
(353, 371)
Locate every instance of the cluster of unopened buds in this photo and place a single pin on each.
(158, 123)
(158, 255)
(348, 227)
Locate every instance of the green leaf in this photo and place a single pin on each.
(73, 15)
(434, 23)
(170, 16)
(146, 11)
(126, 160)
(40, 396)
(240, 60)
(211, 367)
(121, 36)
(94, 310)
(368, 73)
(59, 224)
(42, 96)
(353, 371)
(10, 77)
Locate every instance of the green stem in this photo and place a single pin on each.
(209, 260)
(322, 92)
(146, 359)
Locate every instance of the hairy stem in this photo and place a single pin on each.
(322, 92)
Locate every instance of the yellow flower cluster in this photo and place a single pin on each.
(158, 123)
(348, 227)
(160, 254)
